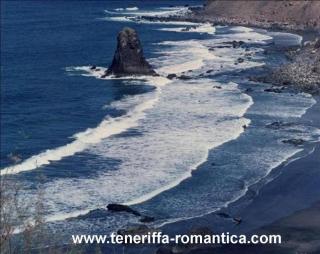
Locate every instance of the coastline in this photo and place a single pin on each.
(251, 144)
(292, 191)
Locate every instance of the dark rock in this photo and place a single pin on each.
(222, 46)
(273, 90)
(237, 220)
(237, 44)
(316, 69)
(278, 125)
(147, 219)
(209, 71)
(122, 208)
(94, 214)
(184, 77)
(217, 87)
(244, 126)
(248, 90)
(317, 44)
(171, 76)
(240, 60)
(294, 141)
(93, 67)
(188, 28)
(128, 58)
(104, 75)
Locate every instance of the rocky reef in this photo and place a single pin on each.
(128, 58)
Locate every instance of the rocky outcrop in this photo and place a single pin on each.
(128, 209)
(302, 71)
(122, 208)
(271, 13)
(128, 58)
(294, 141)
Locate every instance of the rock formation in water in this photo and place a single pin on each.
(128, 58)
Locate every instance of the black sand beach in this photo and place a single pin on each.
(287, 205)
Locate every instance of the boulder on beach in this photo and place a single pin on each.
(128, 58)
(294, 141)
(172, 76)
(237, 44)
(184, 77)
(273, 90)
(122, 208)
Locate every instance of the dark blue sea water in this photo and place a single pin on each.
(174, 149)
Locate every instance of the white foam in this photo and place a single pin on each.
(144, 21)
(164, 155)
(241, 29)
(83, 140)
(161, 12)
(179, 123)
(182, 56)
(202, 28)
(133, 15)
(247, 35)
(127, 9)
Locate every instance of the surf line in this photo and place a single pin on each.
(105, 129)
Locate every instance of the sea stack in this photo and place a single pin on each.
(128, 58)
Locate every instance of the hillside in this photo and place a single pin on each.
(284, 14)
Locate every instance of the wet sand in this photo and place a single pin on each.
(287, 205)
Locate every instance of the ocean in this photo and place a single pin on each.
(173, 149)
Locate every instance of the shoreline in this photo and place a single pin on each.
(264, 210)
